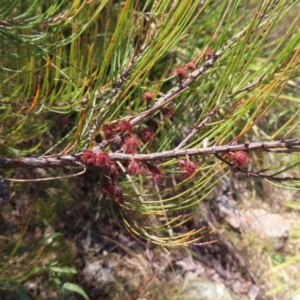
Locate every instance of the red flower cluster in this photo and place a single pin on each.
(107, 189)
(114, 171)
(168, 113)
(130, 145)
(188, 167)
(147, 134)
(108, 131)
(191, 66)
(100, 159)
(209, 53)
(111, 189)
(148, 97)
(241, 159)
(125, 126)
(88, 157)
(135, 168)
(155, 172)
(180, 72)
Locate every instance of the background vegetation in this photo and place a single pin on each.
(217, 73)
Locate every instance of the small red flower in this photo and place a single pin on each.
(88, 157)
(168, 113)
(148, 97)
(114, 171)
(111, 189)
(188, 167)
(191, 66)
(241, 159)
(108, 131)
(102, 160)
(130, 144)
(135, 168)
(147, 134)
(125, 126)
(180, 72)
(155, 172)
(209, 53)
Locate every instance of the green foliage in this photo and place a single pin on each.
(70, 67)
(75, 288)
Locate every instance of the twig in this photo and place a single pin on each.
(117, 87)
(192, 77)
(46, 178)
(271, 177)
(162, 101)
(213, 112)
(181, 87)
(68, 160)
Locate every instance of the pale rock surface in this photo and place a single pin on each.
(257, 221)
(195, 288)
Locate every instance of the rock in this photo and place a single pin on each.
(267, 225)
(258, 221)
(253, 292)
(190, 265)
(113, 267)
(195, 288)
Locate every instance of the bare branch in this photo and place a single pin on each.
(287, 146)
(259, 174)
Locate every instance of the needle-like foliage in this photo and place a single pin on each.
(93, 80)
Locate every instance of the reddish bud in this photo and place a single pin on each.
(155, 172)
(114, 171)
(130, 145)
(125, 126)
(108, 131)
(88, 157)
(188, 167)
(135, 168)
(147, 134)
(111, 189)
(180, 72)
(241, 159)
(148, 97)
(102, 160)
(209, 53)
(168, 113)
(191, 66)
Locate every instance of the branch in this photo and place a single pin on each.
(286, 146)
(184, 85)
(213, 112)
(117, 88)
(181, 87)
(259, 174)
